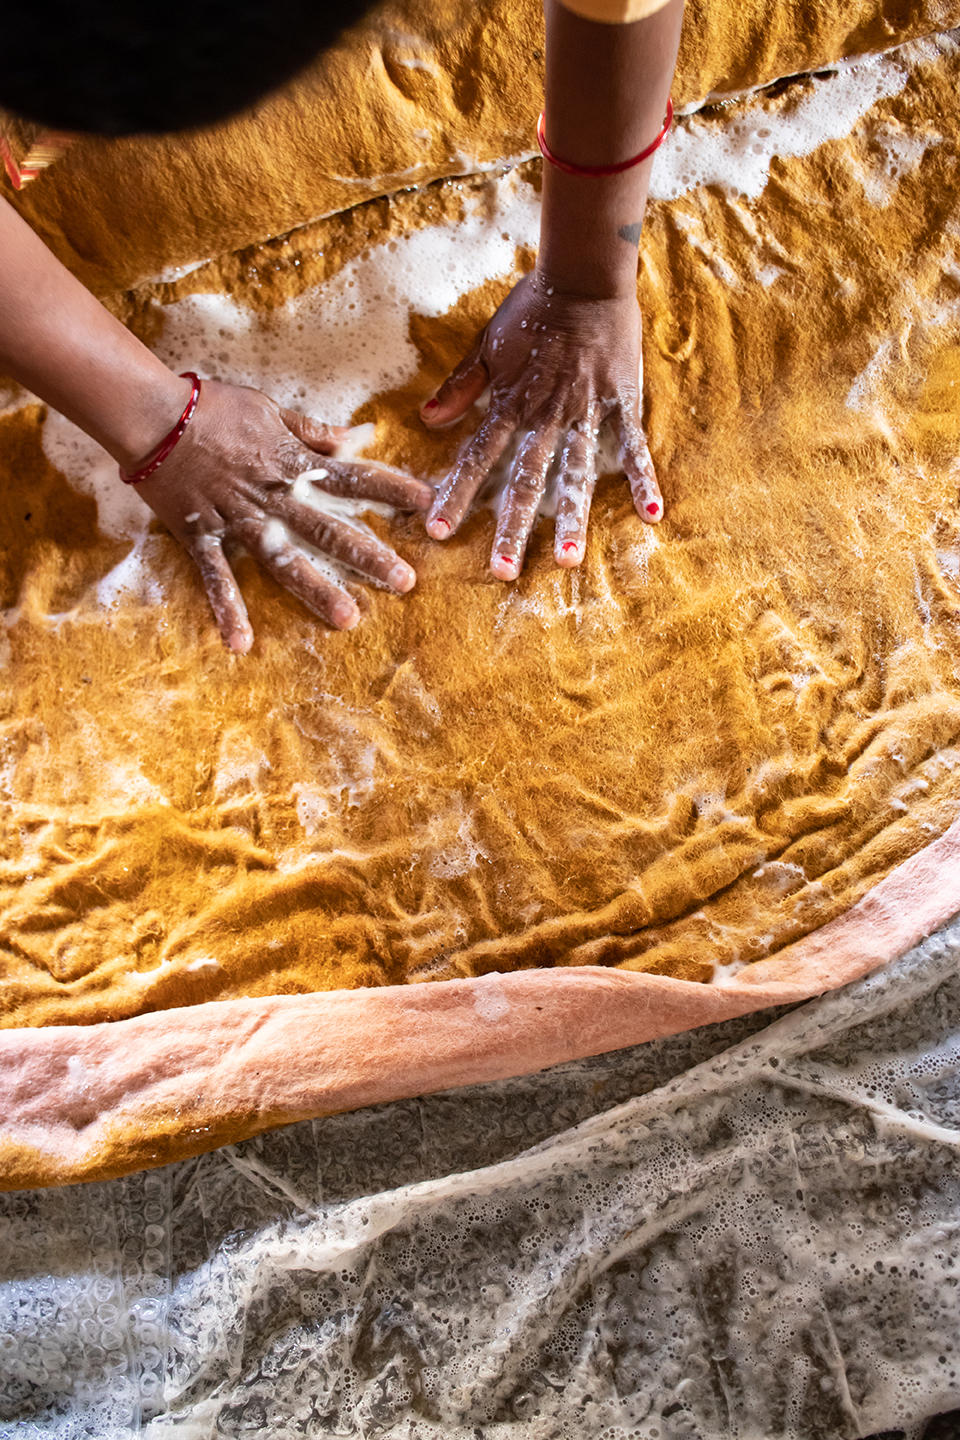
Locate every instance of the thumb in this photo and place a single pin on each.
(324, 439)
(461, 388)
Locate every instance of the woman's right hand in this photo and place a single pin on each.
(231, 479)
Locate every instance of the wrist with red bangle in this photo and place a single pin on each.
(169, 442)
(598, 172)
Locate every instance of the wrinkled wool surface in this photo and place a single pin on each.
(712, 739)
(746, 1231)
(420, 90)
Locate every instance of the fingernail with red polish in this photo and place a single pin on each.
(570, 547)
(653, 508)
(509, 561)
(438, 528)
(431, 404)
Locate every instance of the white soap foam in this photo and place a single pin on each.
(875, 391)
(948, 562)
(723, 974)
(172, 273)
(13, 397)
(78, 1074)
(324, 354)
(132, 578)
(490, 1001)
(459, 854)
(313, 807)
(893, 154)
(328, 351)
(147, 977)
(120, 511)
(353, 445)
(735, 154)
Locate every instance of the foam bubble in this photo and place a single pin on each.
(329, 351)
(736, 153)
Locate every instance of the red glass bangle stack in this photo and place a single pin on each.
(596, 172)
(169, 442)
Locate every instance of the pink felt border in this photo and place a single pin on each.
(73, 1096)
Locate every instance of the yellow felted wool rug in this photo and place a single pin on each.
(422, 89)
(714, 769)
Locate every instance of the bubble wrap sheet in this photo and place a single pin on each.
(751, 1230)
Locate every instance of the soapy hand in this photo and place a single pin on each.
(231, 478)
(558, 366)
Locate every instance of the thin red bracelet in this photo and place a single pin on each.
(168, 444)
(596, 172)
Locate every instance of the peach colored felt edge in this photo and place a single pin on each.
(87, 1102)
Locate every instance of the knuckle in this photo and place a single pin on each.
(527, 487)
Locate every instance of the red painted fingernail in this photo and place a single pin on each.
(431, 405)
(568, 546)
(509, 560)
(653, 508)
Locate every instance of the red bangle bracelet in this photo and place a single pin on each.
(168, 443)
(596, 172)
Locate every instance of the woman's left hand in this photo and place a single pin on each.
(558, 365)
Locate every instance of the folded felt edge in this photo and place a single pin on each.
(94, 1102)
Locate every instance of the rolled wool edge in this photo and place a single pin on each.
(94, 1102)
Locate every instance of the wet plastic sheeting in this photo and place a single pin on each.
(752, 1230)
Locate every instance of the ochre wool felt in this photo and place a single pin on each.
(418, 91)
(101, 1100)
(732, 737)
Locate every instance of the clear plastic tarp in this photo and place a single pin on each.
(746, 1232)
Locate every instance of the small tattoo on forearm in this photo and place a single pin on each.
(631, 233)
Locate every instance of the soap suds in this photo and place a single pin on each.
(131, 578)
(313, 807)
(490, 1001)
(328, 351)
(736, 154)
(458, 855)
(884, 391)
(323, 354)
(893, 155)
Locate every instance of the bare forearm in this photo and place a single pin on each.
(60, 342)
(606, 93)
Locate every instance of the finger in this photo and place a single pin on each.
(521, 500)
(462, 387)
(637, 465)
(476, 460)
(321, 438)
(365, 482)
(293, 570)
(206, 551)
(578, 479)
(348, 544)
